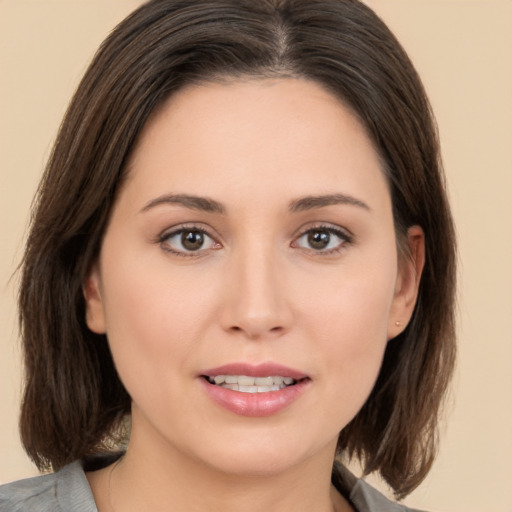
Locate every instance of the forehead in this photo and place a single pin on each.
(274, 135)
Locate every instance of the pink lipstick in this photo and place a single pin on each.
(254, 390)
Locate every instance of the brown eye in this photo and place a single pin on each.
(323, 240)
(319, 239)
(188, 242)
(192, 240)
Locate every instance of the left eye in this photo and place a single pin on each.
(322, 239)
(188, 240)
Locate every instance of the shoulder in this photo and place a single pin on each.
(66, 490)
(363, 496)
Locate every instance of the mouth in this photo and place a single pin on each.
(249, 384)
(254, 390)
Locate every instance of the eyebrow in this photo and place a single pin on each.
(203, 204)
(312, 202)
(302, 204)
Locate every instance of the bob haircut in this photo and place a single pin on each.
(74, 404)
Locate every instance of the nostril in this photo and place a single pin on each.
(256, 332)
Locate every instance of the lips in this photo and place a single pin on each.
(254, 390)
(258, 370)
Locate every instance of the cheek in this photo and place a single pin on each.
(354, 302)
(349, 320)
(154, 320)
(355, 333)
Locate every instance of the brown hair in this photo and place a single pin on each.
(74, 402)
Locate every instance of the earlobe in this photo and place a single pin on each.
(94, 312)
(410, 268)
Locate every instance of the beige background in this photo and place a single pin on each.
(463, 50)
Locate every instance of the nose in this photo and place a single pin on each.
(256, 301)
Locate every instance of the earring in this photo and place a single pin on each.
(397, 323)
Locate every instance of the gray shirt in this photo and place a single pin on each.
(68, 490)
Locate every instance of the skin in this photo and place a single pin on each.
(256, 291)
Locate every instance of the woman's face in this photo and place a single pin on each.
(253, 239)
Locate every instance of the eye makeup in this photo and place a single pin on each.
(188, 240)
(323, 239)
(193, 240)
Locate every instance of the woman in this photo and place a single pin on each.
(241, 244)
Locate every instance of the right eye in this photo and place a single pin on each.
(188, 241)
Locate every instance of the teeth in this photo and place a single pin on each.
(264, 389)
(246, 384)
(247, 389)
(243, 380)
(264, 381)
(252, 389)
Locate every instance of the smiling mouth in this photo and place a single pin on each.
(247, 384)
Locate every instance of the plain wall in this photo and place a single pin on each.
(463, 51)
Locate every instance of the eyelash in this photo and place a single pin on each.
(344, 237)
(164, 238)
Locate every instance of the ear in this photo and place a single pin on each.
(410, 267)
(94, 311)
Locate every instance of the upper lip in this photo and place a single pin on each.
(268, 369)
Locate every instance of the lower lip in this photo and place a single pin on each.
(255, 404)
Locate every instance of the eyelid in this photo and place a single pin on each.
(168, 233)
(343, 234)
(328, 226)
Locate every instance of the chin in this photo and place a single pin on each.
(266, 457)
(255, 465)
